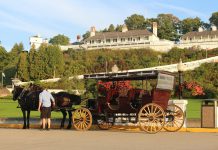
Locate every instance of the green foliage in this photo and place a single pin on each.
(60, 40)
(22, 67)
(3, 58)
(118, 28)
(167, 26)
(135, 21)
(214, 19)
(86, 35)
(207, 77)
(111, 28)
(190, 24)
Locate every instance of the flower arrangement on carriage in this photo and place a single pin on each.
(118, 87)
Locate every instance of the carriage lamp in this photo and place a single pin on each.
(181, 68)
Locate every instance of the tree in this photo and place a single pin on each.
(86, 35)
(167, 26)
(205, 25)
(118, 28)
(31, 57)
(22, 67)
(111, 28)
(135, 21)
(60, 40)
(15, 51)
(190, 24)
(55, 64)
(3, 58)
(214, 19)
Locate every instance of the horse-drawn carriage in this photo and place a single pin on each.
(117, 101)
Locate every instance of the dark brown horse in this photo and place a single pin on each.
(28, 100)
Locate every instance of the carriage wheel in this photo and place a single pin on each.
(82, 119)
(151, 118)
(174, 118)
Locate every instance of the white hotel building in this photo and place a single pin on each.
(127, 39)
(201, 39)
(132, 39)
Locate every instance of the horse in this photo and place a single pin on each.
(28, 100)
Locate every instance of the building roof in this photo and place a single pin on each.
(110, 35)
(200, 34)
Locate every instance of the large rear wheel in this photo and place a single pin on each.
(174, 118)
(151, 118)
(82, 119)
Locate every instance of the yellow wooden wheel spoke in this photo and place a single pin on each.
(176, 114)
(82, 119)
(150, 121)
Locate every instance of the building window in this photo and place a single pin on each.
(138, 38)
(122, 39)
(99, 41)
(108, 40)
(190, 39)
(129, 39)
(114, 40)
(146, 38)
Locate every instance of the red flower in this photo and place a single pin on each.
(194, 87)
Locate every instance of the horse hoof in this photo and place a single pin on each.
(24, 127)
(68, 127)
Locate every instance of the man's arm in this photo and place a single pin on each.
(53, 100)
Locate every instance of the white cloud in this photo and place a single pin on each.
(189, 12)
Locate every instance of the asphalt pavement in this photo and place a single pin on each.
(35, 139)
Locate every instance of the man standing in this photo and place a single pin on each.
(45, 99)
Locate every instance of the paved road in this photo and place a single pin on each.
(33, 139)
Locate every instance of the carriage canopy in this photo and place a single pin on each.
(165, 79)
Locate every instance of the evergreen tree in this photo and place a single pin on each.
(22, 67)
(55, 66)
(111, 28)
(118, 28)
(3, 58)
(15, 51)
(31, 56)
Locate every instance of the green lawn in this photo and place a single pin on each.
(194, 109)
(8, 109)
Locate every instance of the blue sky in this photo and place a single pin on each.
(21, 19)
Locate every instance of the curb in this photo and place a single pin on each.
(114, 128)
